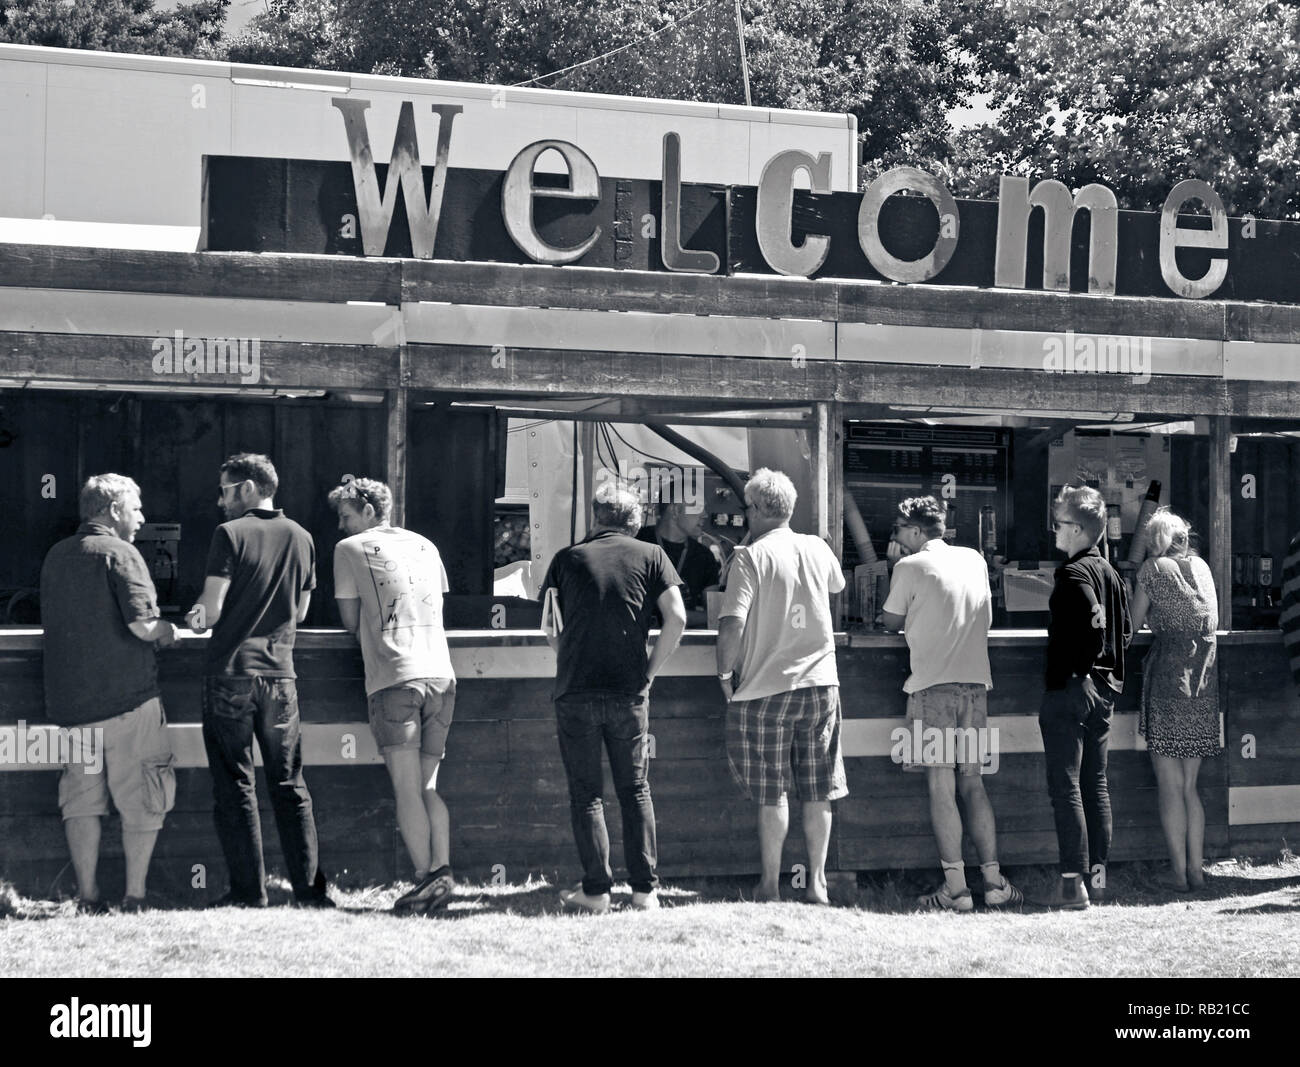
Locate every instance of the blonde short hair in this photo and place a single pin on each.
(1167, 534)
(771, 494)
(102, 491)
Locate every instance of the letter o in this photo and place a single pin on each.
(895, 181)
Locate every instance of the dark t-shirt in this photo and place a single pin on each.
(607, 585)
(271, 562)
(1090, 626)
(693, 562)
(93, 584)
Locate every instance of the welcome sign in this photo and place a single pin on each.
(1036, 235)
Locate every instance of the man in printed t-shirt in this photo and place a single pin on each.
(260, 573)
(388, 583)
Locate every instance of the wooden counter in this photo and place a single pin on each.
(505, 787)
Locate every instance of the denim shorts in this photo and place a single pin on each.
(134, 767)
(960, 711)
(413, 714)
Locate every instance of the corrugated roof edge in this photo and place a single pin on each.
(216, 69)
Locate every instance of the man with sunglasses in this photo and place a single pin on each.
(940, 595)
(1086, 638)
(261, 570)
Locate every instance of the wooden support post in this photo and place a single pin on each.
(587, 487)
(1221, 515)
(395, 404)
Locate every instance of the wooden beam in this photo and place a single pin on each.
(1221, 515)
(396, 405)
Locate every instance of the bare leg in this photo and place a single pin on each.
(1173, 815)
(944, 817)
(773, 825)
(436, 810)
(1195, 824)
(83, 844)
(979, 817)
(138, 847)
(412, 817)
(817, 838)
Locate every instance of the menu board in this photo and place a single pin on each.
(967, 467)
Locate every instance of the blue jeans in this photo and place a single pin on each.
(1075, 723)
(618, 721)
(235, 710)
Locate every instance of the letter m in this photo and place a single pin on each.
(404, 169)
(1015, 202)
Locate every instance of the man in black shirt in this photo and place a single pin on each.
(260, 573)
(607, 586)
(678, 533)
(1086, 638)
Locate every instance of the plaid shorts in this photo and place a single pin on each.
(791, 737)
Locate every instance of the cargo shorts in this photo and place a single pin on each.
(132, 763)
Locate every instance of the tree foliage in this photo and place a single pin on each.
(1140, 94)
(193, 29)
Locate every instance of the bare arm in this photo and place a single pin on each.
(304, 605)
(673, 612)
(890, 621)
(154, 630)
(1138, 607)
(207, 609)
(731, 629)
(349, 613)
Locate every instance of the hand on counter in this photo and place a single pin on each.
(197, 620)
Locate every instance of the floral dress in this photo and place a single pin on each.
(1180, 680)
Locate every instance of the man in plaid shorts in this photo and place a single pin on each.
(776, 665)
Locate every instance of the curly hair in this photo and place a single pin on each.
(925, 512)
(362, 491)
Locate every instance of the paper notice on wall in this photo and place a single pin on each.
(1131, 461)
(1091, 459)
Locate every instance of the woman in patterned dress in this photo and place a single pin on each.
(1175, 596)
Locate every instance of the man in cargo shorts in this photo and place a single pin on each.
(776, 665)
(388, 583)
(100, 613)
(941, 592)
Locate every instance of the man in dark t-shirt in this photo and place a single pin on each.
(1086, 638)
(102, 625)
(260, 573)
(606, 588)
(678, 533)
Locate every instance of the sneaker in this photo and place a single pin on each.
(432, 892)
(91, 907)
(646, 901)
(1005, 896)
(232, 901)
(942, 900)
(578, 900)
(130, 905)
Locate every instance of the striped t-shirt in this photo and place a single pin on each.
(1291, 606)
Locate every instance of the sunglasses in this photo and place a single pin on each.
(1056, 525)
(904, 526)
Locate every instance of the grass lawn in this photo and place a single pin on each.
(1244, 924)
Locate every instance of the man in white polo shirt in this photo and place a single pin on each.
(940, 595)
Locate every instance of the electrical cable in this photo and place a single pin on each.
(621, 48)
(648, 455)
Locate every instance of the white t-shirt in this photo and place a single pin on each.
(780, 587)
(399, 578)
(944, 592)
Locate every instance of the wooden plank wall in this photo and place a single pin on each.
(505, 787)
(173, 449)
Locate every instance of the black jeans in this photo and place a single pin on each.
(618, 721)
(235, 710)
(1075, 723)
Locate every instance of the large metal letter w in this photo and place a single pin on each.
(376, 211)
